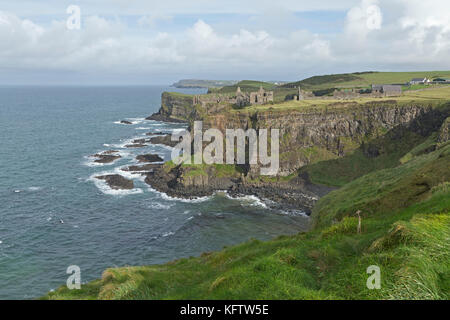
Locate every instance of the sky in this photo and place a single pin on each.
(146, 42)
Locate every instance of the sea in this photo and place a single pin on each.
(54, 213)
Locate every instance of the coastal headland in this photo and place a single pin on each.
(371, 169)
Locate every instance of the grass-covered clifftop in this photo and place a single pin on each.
(405, 205)
(363, 79)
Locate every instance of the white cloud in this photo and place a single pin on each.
(363, 19)
(399, 35)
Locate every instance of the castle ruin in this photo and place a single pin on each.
(240, 99)
(248, 98)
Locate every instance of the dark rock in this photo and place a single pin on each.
(164, 140)
(141, 141)
(136, 145)
(106, 156)
(157, 133)
(143, 168)
(164, 118)
(109, 152)
(297, 194)
(125, 122)
(149, 158)
(444, 132)
(117, 182)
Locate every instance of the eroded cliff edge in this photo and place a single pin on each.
(308, 135)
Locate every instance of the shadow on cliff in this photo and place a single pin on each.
(385, 151)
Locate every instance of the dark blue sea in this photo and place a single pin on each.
(47, 177)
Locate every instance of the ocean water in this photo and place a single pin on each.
(46, 177)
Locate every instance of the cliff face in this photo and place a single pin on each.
(307, 135)
(175, 107)
(314, 135)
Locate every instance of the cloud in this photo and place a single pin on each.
(376, 35)
(363, 19)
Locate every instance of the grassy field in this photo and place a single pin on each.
(353, 80)
(405, 230)
(426, 96)
(246, 86)
(362, 80)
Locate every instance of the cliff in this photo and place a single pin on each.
(308, 133)
(391, 161)
(405, 213)
(317, 134)
(175, 107)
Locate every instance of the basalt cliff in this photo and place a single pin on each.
(308, 135)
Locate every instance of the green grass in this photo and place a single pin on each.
(432, 96)
(219, 170)
(179, 95)
(405, 231)
(361, 80)
(411, 247)
(246, 86)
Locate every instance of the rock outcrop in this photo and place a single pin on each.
(316, 134)
(106, 157)
(175, 107)
(117, 182)
(149, 158)
(181, 182)
(444, 132)
(164, 140)
(136, 145)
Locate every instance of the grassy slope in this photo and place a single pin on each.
(428, 96)
(364, 79)
(405, 231)
(360, 80)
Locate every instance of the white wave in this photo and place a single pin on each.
(193, 200)
(127, 174)
(90, 161)
(143, 128)
(160, 206)
(106, 189)
(165, 196)
(168, 234)
(17, 191)
(125, 142)
(294, 212)
(133, 121)
(249, 200)
(34, 188)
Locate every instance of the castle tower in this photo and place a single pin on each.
(300, 95)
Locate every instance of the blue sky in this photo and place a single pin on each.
(154, 42)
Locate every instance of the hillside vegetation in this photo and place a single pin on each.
(404, 198)
(327, 83)
(363, 79)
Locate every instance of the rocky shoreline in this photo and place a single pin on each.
(297, 194)
(164, 118)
